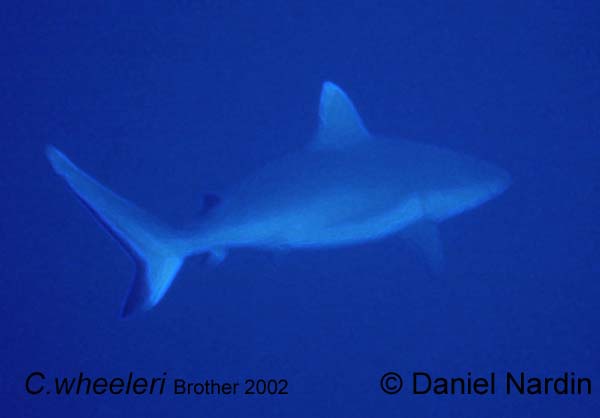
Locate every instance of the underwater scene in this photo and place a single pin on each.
(298, 209)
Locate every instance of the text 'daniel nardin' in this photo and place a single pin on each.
(492, 383)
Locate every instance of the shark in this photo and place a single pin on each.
(345, 186)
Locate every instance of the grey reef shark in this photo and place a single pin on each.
(346, 186)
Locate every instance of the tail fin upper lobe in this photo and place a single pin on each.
(152, 245)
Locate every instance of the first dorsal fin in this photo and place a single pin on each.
(340, 124)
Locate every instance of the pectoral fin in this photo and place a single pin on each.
(425, 236)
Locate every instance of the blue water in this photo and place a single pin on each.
(163, 101)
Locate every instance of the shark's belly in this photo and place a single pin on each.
(372, 226)
(320, 227)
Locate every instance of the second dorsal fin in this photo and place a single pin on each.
(209, 201)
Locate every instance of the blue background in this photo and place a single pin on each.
(162, 101)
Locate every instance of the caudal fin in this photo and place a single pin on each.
(152, 246)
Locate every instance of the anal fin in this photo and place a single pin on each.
(216, 256)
